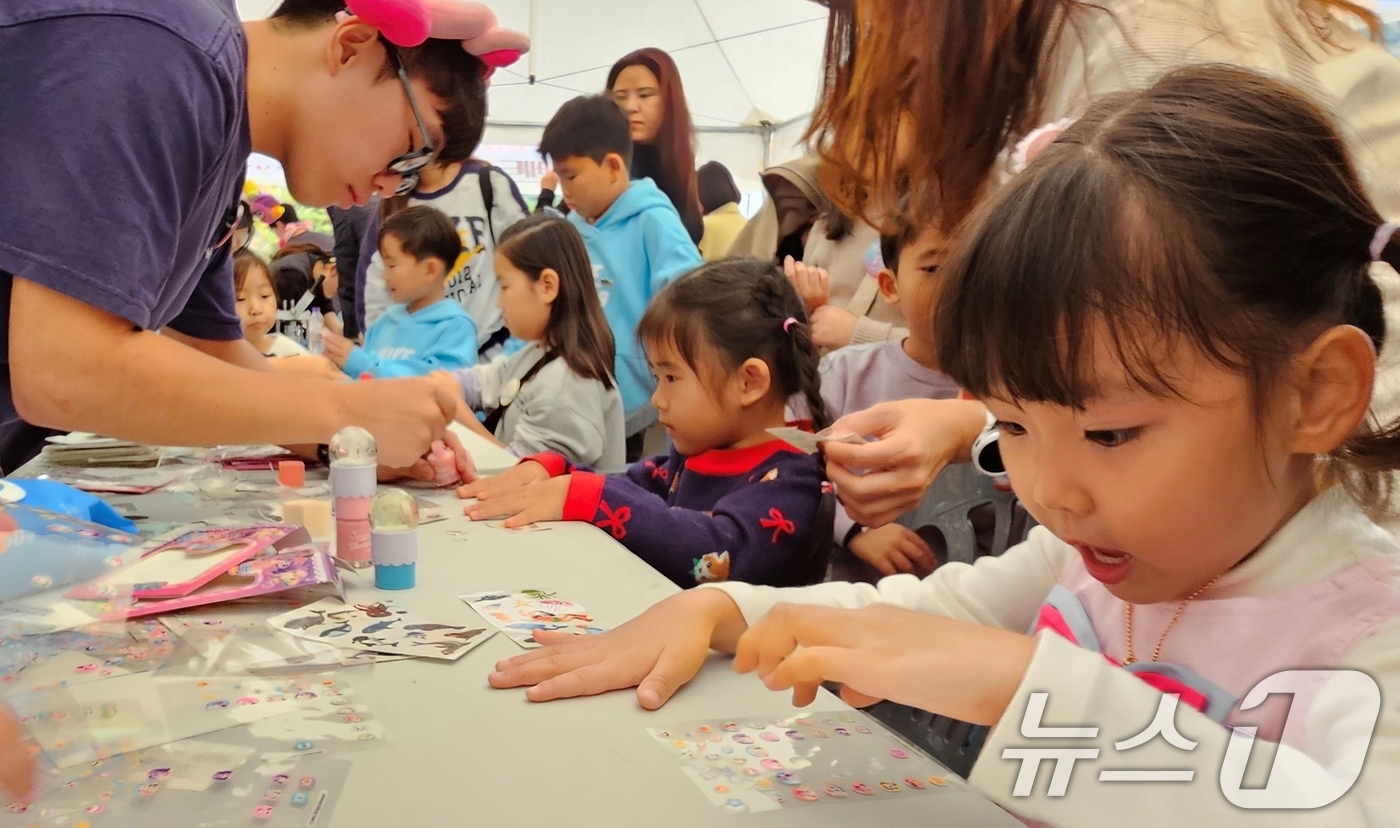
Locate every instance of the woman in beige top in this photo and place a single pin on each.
(960, 82)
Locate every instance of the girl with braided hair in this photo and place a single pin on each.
(728, 345)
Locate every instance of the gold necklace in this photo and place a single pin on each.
(1157, 653)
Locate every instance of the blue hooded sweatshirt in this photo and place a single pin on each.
(637, 248)
(441, 336)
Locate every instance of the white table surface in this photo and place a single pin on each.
(459, 752)
(459, 748)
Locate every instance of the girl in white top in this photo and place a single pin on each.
(1182, 394)
(257, 306)
(557, 394)
(941, 91)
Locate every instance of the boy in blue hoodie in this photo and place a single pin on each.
(634, 235)
(421, 332)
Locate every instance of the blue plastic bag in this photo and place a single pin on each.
(52, 496)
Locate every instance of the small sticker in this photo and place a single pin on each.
(890, 786)
(863, 789)
(805, 794)
(898, 754)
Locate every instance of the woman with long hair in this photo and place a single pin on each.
(647, 85)
(924, 103)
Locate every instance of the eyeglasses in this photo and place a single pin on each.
(233, 220)
(409, 165)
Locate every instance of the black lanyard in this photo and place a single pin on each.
(493, 419)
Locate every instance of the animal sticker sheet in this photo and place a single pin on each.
(521, 614)
(380, 628)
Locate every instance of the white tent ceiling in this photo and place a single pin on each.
(742, 61)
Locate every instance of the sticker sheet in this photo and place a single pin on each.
(82, 656)
(190, 783)
(381, 628)
(521, 614)
(751, 766)
(102, 719)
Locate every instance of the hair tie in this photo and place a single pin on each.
(1382, 240)
(788, 323)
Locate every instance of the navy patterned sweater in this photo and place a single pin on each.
(753, 515)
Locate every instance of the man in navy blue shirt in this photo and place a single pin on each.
(125, 126)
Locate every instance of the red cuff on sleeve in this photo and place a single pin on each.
(553, 463)
(585, 490)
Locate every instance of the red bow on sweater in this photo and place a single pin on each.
(779, 524)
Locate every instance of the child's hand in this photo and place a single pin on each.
(832, 327)
(657, 652)
(893, 549)
(550, 180)
(336, 347)
(812, 283)
(530, 504)
(511, 480)
(953, 668)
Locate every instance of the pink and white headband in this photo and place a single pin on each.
(1382, 239)
(409, 23)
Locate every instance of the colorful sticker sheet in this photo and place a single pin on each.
(380, 628)
(99, 720)
(757, 765)
(521, 614)
(67, 659)
(190, 783)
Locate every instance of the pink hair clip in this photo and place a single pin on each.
(788, 323)
(409, 23)
(1035, 143)
(1382, 239)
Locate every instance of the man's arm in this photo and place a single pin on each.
(238, 352)
(75, 367)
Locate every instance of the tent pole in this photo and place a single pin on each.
(534, 16)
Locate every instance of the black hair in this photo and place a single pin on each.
(456, 77)
(424, 232)
(245, 215)
(288, 216)
(577, 328)
(717, 187)
(892, 243)
(244, 261)
(591, 126)
(739, 309)
(1218, 210)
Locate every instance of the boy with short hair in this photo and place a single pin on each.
(634, 235)
(422, 332)
(858, 377)
(163, 100)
